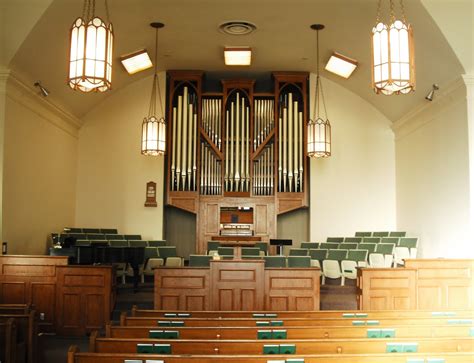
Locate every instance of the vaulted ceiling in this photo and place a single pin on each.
(191, 40)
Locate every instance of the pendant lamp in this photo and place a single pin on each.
(90, 54)
(154, 127)
(319, 128)
(393, 54)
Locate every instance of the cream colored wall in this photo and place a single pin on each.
(433, 175)
(39, 175)
(354, 189)
(112, 174)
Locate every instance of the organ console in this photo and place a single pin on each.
(231, 147)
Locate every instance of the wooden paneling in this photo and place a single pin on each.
(443, 283)
(285, 292)
(387, 288)
(84, 298)
(182, 288)
(31, 280)
(237, 285)
(433, 284)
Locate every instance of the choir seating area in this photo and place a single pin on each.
(283, 336)
(339, 257)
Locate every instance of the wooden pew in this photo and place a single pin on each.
(74, 356)
(304, 314)
(8, 341)
(301, 332)
(27, 328)
(255, 347)
(232, 322)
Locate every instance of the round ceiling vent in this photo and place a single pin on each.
(237, 27)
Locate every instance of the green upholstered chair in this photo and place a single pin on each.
(410, 242)
(299, 261)
(298, 252)
(108, 231)
(91, 230)
(157, 243)
(77, 236)
(371, 240)
(353, 239)
(96, 236)
(137, 243)
(250, 251)
(199, 260)
(111, 237)
(380, 234)
(212, 246)
(275, 261)
(355, 258)
(359, 256)
(309, 245)
(167, 251)
(392, 240)
(317, 256)
(363, 234)
(82, 243)
(151, 252)
(118, 243)
(335, 239)
(347, 246)
(385, 248)
(328, 245)
(331, 265)
(336, 255)
(132, 237)
(397, 234)
(370, 247)
(263, 248)
(225, 251)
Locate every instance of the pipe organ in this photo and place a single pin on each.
(236, 148)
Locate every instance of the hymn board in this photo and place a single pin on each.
(236, 149)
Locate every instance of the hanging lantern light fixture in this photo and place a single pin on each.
(154, 128)
(319, 128)
(90, 55)
(393, 55)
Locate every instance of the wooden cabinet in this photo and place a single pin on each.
(240, 285)
(85, 298)
(425, 284)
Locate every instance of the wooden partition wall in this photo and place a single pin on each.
(422, 284)
(236, 147)
(237, 285)
(72, 300)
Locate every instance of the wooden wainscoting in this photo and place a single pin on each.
(84, 298)
(31, 280)
(284, 292)
(182, 288)
(387, 288)
(237, 285)
(443, 283)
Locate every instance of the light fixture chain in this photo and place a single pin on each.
(402, 7)
(317, 51)
(107, 11)
(316, 101)
(85, 9)
(324, 101)
(392, 12)
(156, 73)
(379, 11)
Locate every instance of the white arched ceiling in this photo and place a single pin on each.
(191, 40)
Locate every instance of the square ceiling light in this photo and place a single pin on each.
(237, 56)
(136, 62)
(341, 65)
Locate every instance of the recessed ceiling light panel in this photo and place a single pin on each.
(136, 62)
(237, 27)
(237, 56)
(341, 65)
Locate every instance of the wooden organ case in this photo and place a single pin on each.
(236, 149)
